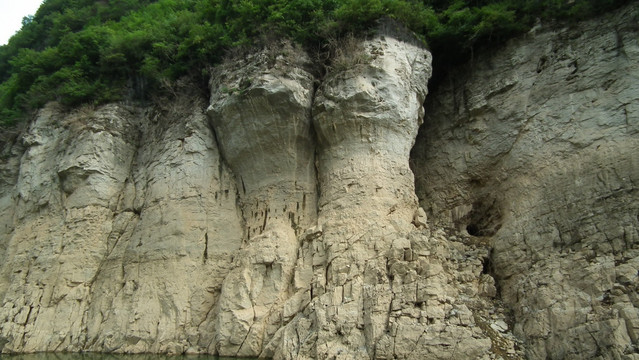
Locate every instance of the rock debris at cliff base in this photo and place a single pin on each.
(281, 217)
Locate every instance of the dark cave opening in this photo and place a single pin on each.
(486, 266)
(473, 230)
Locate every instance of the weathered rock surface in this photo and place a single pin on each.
(280, 217)
(260, 109)
(125, 224)
(534, 149)
(382, 285)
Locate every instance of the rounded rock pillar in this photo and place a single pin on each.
(260, 111)
(366, 117)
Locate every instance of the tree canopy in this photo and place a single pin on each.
(95, 51)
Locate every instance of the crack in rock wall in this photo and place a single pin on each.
(533, 149)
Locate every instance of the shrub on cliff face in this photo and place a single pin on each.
(83, 51)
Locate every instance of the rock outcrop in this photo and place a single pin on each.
(376, 292)
(260, 109)
(279, 217)
(334, 275)
(533, 148)
(124, 227)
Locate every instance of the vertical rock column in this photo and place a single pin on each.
(260, 110)
(71, 175)
(366, 117)
(173, 239)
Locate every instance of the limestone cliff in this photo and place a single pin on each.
(124, 225)
(280, 216)
(533, 148)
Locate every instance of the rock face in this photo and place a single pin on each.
(124, 224)
(377, 293)
(534, 149)
(280, 217)
(260, 109)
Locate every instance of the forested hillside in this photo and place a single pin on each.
(87, 51)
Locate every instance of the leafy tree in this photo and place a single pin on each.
(79, 51)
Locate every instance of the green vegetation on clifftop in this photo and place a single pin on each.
(87, 51)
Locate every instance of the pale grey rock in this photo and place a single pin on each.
(12, 149)
(174, 241)
(62, 221)
(382, 286)
(419, 218)
(279, 218)
(499, 325)
(260, 110)
(110, 248)
(532, 149)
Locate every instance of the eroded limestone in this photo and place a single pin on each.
(260, 110)
(279, 218)
(534, 150)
